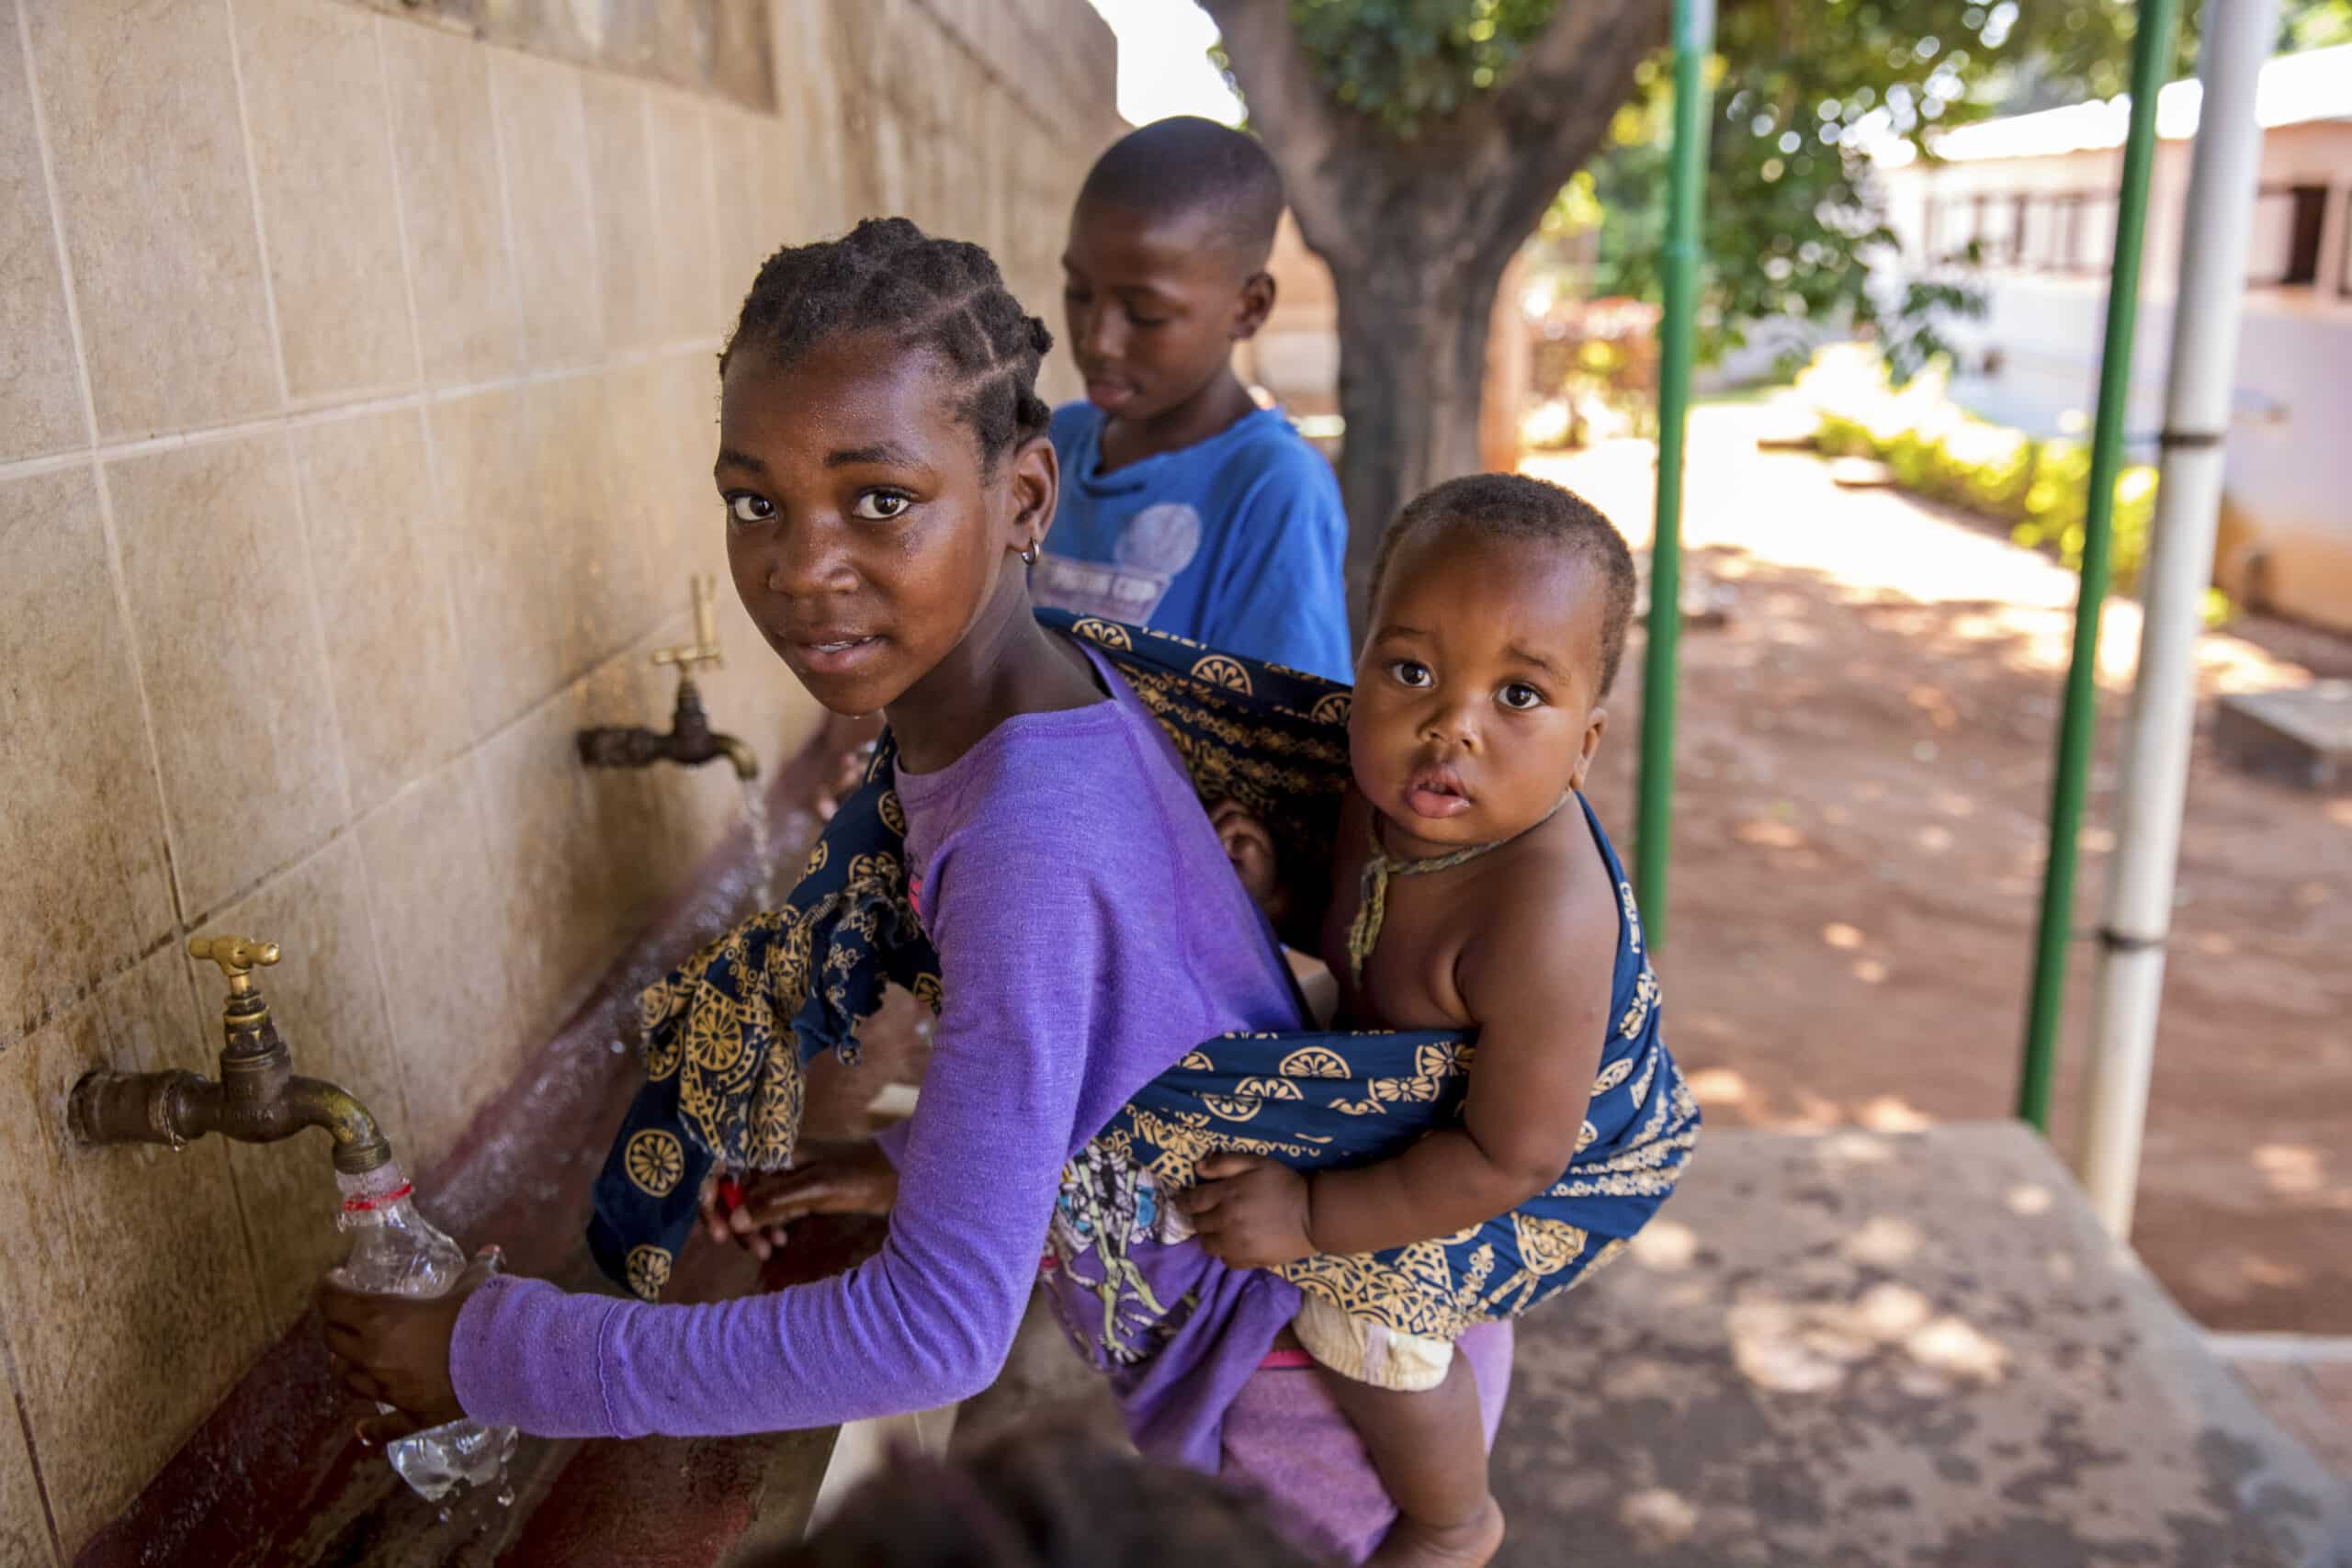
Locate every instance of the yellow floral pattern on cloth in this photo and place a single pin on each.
(727, 1035)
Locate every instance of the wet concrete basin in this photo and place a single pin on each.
(275, 1476)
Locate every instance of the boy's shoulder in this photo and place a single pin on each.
(1262, 447)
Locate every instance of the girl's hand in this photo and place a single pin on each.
(827, 1179)
(395, 1350)
(1250, 1212)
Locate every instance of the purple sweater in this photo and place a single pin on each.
(1091, 932)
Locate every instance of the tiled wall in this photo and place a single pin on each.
(355, 406)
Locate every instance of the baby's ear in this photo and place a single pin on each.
(1250, 848)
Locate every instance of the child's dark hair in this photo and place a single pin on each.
(1051, 1499)
(1516, 507)
(1186, 163)
(947, 296)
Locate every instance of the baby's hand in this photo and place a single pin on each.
(828, 1179)
(1251, 849)
(1250, 1212)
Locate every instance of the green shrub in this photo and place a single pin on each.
(1935, 450)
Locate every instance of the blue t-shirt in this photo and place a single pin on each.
(1238, 541)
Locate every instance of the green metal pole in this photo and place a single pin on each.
(2151, 52)
(1694, 32)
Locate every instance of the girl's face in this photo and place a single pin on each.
(865, 535)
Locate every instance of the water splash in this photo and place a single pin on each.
(755, 814)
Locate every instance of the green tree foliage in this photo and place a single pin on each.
(1803, 89)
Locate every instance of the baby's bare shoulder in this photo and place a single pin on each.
(1545, 922)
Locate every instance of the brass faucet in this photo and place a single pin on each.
(256, 1099)
(691, 741)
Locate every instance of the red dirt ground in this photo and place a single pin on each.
(1863, 774)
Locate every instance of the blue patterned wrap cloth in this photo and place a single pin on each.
(729, 1035)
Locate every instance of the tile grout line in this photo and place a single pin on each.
(331, 413)
(252, 198)
(371, 896)
(89, 417)
(506, 210)
(33, 1449)
(376, 26)
(349, 826)
(102, 490)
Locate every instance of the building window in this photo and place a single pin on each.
(2288, 220)
(2094, 230)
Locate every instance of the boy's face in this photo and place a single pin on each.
(1154, 303)
(864, 531)
(1477, 694)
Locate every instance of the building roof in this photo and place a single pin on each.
(2295, 88)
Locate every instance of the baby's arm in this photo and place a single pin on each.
(1537, 980)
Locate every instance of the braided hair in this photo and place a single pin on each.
(943, 296)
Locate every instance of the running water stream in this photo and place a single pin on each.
(755, 813)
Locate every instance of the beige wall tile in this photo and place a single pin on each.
(25, 1541)
(327, 1000)
(83, 884)
(41, 394)
(316, 110)
(596, 575)
(445, 149)
(550, 830)
(124, 1276)
(392, 645)
(621, 185)
(141, 106)
(447, 956)
(488, 528)
(658, 465)
(745, 236)
(214, 568)
(543, 149)
(684, 233)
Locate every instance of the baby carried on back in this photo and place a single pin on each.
(729, 1035)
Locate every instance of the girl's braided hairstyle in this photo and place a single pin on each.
(944, 295)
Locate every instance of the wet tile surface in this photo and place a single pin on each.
(84, 884)
(41, 392)
(128, 1289)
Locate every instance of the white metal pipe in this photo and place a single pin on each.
(2216, 230)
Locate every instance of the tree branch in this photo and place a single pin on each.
(1289, 105)
(1549, 114)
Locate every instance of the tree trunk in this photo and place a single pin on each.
(1417, 231)
(1413, 368)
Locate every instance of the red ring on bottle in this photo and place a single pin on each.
(362, 1205)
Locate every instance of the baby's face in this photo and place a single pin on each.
(1477, 703)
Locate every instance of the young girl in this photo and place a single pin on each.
(886, 472)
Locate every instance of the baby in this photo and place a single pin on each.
(1471, 890)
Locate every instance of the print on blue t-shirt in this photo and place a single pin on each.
(1238, 541)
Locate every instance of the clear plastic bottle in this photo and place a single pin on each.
(397, 1251)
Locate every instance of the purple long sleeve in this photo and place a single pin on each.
(1090, 934)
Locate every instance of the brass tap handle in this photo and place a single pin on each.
(705, 649)
(237, 956)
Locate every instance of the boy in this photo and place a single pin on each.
(1184, 505)
(1471, 890)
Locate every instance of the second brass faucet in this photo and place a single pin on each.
(691, 741)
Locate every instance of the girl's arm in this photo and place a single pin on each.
(926, 1322)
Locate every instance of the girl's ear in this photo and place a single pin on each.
(1595, 722)
(1035, 481)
